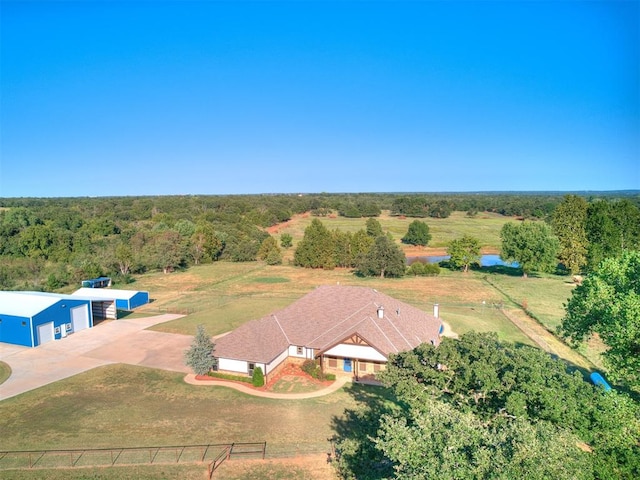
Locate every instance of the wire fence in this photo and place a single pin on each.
(110, 457)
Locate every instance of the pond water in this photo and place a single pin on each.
(485, 260)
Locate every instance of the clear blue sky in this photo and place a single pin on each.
(155, 98)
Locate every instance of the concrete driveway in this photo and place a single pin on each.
(118, 341)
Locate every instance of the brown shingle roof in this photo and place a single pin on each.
(326, 316)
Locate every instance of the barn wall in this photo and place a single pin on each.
(15, 330)
(139, 299)
(60, 314)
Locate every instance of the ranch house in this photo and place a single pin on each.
(347, 330)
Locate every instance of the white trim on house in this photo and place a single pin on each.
(360, 352)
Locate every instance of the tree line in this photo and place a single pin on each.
(46, 244)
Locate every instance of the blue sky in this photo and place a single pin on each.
(155, 98)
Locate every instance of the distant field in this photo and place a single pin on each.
(485, 227)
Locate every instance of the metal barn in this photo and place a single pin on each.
(125, 299)
(34, 318)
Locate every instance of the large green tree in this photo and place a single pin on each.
(608, 303)
(481, 408)
(569, 226)
(531, 245)
(316, 249)
(384, 259)
(611, 227)
(464, 252)
(431, 439)
(270, 251)
(417, 234)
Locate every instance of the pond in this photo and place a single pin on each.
(485, 260)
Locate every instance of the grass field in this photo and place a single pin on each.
(485, 227)
(223, 305)
(132, 406)
(5, 372)
(123, 406)
(543, 295)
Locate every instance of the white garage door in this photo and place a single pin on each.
(45, 333)
(80, 318)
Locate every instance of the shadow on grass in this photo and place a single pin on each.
(501, 270)
(356, 454)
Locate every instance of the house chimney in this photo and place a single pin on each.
(380, 311)
(436, 310)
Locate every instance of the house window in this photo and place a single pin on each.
(252, 366)
(299, 350)
(376, 367)
(362, 366)
(333, 362)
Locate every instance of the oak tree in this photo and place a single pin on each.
(464, 252)
(608, 303)
(530, 244)
(569, 222)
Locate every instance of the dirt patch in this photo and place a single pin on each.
(273, 229)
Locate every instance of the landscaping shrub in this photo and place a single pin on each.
(310, 368)
(258, 377)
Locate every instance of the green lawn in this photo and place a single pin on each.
(5, 372)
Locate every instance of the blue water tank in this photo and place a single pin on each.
(598, 380)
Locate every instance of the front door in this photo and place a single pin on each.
(347, 365)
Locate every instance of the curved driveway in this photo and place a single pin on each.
(117, 341)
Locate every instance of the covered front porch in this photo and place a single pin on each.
(354, 368)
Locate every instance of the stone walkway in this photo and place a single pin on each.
(216, 382)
